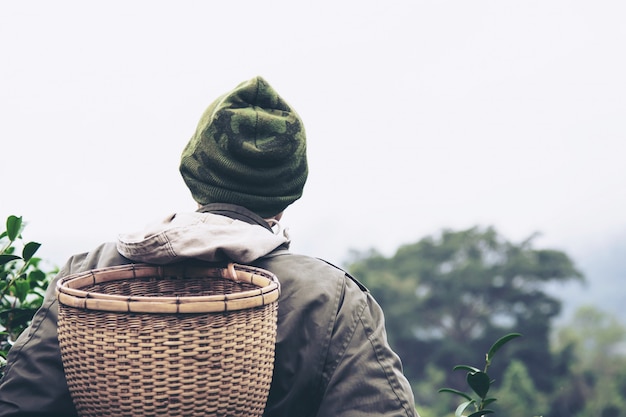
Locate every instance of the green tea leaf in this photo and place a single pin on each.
(21, 289)
(465, 368)
(499, 343)
(481, 413)
(5, 259)
(479, 382)
(457, 392)
(29, 250)
(461, 408)
(14, 225)
(488, 401)
(36, 275)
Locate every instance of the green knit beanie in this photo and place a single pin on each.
(249, 149)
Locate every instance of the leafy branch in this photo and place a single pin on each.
(480, 383)
(22, 284)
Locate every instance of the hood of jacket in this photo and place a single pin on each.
(215, 233)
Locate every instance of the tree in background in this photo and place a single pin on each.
(518, 395)
(428, 387)
(448, 297)
(592, 374)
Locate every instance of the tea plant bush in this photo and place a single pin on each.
(480, 383)
(23, 283)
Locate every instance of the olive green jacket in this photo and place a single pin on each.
(332, 355)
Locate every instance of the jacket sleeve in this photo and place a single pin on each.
(34, 383)
(363, 375)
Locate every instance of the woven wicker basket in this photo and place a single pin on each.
(145, 340)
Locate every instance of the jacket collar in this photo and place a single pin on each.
(214, 233)
(235, 212)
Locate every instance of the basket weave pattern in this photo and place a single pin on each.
(214, 362)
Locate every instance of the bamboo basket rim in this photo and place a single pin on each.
(69, 289)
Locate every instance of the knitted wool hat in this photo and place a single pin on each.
(249, 149)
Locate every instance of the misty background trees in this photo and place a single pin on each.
(448, 297)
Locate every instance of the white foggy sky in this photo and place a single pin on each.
(419, 115)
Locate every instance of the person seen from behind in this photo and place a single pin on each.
(244, 165)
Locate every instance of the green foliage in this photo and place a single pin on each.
(517, 395)
(426, 389)
(22, 284)
(480, 382)
(592, 377)
(448, 296)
